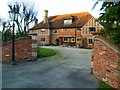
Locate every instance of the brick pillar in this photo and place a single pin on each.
(34, 46)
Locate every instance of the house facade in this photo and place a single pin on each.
(69, 29)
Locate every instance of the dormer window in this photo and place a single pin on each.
(67, 22)
(42, 30)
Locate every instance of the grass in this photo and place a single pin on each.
(45, 52)
(104, 86)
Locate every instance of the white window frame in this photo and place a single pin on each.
(92, 27)
(72, 40)
(67, 21)
(88, 41)
(43, 30)
(66, 40)
(34, 37)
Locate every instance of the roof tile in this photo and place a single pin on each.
(79, 20)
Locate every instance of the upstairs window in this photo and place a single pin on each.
(92, 29)
(42, 39)
(42, 30)
(34, 37)
(65, 30)
(67, 22)
(55, 31)
(78, 29)
(72, 30)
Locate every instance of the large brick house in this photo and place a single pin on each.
(68, 29)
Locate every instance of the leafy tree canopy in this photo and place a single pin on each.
(110, 18)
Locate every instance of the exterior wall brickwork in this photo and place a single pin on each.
(24, 47)
(80, 33)
(106, 62)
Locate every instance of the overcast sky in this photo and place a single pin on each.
(55, 7)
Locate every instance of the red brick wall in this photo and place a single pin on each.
(106, 62)
(23, 49)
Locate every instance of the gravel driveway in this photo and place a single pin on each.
(68, 68)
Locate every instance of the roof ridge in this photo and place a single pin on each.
(70, 14)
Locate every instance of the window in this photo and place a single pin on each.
(65, 30)
(34, 37)
(72, 30)
(73, 40)
(32, 31)
(90, 40)
(92, 29)
(55, 31)
(67, 22)
(78, 39)
(65, 39)
(42, 39)
(42, 30)
(37, 31)
(78, 29)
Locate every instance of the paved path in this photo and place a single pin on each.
(68, 68)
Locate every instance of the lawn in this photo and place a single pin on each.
(45, 52)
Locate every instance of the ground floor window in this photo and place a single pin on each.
(90, 40)
(66, 39)
(42, 39)
(73, 40)
(79, 39)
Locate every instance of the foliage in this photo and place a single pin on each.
(104, 86)
(6, 36)
(27, 14)
(110, 19)
(45, 52)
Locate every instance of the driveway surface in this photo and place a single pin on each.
(68, 68)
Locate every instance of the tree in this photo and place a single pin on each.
(111, 19)
(27, 14)
(6, 35)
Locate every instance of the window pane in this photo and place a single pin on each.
(79, 39)
(42, 39)
(65, 39)
(90, 41)
(42, 30)
(92, 29)
(55, 31)
(67, 22)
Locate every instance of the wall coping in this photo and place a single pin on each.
(15, 40)
(109, 44)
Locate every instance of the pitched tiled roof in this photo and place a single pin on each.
(79, 20)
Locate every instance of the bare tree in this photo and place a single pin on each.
(27, 14)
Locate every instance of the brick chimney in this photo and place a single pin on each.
(35, 21)
(45, 16)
